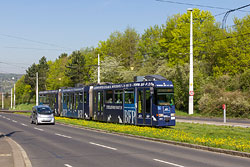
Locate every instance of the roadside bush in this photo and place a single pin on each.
(238, 103)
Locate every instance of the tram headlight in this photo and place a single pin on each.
(172, 114)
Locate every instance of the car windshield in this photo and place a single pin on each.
(164, 97)
(44, 110)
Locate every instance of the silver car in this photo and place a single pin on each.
(42, 115)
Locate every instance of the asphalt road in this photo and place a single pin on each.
(61, 145)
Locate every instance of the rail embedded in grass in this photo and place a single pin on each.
(232, 138)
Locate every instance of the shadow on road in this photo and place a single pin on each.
(9, 134)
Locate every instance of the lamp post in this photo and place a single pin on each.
(11, 106)
(14, 96)
(37, 88)
(191, 84)
(98, 70)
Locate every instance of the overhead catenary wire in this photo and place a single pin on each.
(12, 64)
(45, 49)
(198, 5)
(228, 12)
(35, 41)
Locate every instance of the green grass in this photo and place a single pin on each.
(23, 107)
(181, 113)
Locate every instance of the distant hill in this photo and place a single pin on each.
(7, 81)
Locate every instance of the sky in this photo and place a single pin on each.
(31, 29)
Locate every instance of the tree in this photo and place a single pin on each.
(43, 69)
(56, 74)
(76, 68)
(122, 46)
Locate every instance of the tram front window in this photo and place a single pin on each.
(164, 97)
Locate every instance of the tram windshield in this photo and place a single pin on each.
(164, 96)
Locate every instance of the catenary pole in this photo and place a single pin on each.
(2, 100)
(11, 92)
(14, 96)
(37, 88)
(98, 69)
(191, 84)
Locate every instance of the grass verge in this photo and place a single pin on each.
(23, 107)
(225, 137)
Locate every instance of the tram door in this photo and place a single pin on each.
(100, 106)
(143, 106)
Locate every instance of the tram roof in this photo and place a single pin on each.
(48, 92)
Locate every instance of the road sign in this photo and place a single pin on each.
(191, 93)
(223, 106)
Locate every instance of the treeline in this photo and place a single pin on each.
(221, 63)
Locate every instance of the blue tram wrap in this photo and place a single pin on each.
(149, 103)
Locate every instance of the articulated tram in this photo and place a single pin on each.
(149, 103)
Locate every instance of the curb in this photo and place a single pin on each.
(20, 157)
(195, 146)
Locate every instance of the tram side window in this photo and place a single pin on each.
(118, 96)
(77, 100)
(100, 101)
(72, 101)
(147, 101)
(109, 96)
(65, 99)
(129, 96)
(85, 97)
(41, 99)
(80, 98)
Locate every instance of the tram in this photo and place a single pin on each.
(149, 102)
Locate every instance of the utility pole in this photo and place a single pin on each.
(2, 100)
(14, 96)
(98, 75)
(191, 84)
(11, 91)
(37, 88)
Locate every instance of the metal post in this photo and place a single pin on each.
(11, 92)
(37, 88)
(225, 113)
(2, 100)
(191, 84)
(98, 69)
(14, 96)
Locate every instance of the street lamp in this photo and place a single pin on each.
(191, 84)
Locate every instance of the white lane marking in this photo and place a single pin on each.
(67, 165)
(24, 124)
(63, 135)
(102, 146)
(38, 129)
(7, 118)
(168, 163)
(14, 121)
(5, 155)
